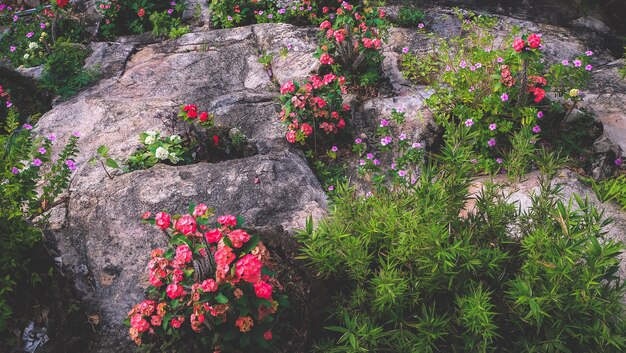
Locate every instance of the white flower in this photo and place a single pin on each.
(151, 133)
(173, 158)
(26, 56)
(149, 140)
(175, 139)
(33, 45)
(161, 153)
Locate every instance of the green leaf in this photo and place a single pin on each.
(251, 244)
(221, 298)
(111, 163)
(103, 150)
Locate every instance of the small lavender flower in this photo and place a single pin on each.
(29, 34)
(385, 140)
(331, 188)
(540, 114)
(473, 68)
(402, 173)
(478, 65)
(492, 126)
(52, 138)
(15, 171)
(282, 11)
(42, 150)
(589, 53)
(36, 162)
(27, 126)
(500, 60)
(469, 122)
(393, 166)
(12, 48)
(463, 64)
(358, 141)
(588, 67)
(578, 63)
(172, 3)
(565, 62)
(76, 133)
(376, 162)
(334, 149)
(405, 50)
(15, 18)
(402, 137)
(420, 25)
(473, 160)
(471, 89)
(42, 25)
(499, 160)
(491, 142)
(70, 165)
(170, 11)
(361, 162)
(369, 156)
(448, 68)
(618, 162)
(270, 16)
(230, 18)
(504, 97)
(416, 145)
(536, 129)
(384, 123)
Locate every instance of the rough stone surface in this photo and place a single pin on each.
(103, 246)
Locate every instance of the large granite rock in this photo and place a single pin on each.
(102, 245)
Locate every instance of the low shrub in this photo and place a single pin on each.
(410, 16)
(123, 17)
(211, 287)
(63, 72)
(417, 268)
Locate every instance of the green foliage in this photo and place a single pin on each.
(612, 189)
(234, 13)
(157, 148)
(416, 267)
(622, 71)
(122, 17)
(421, 68)
(166, 25)
(410, 16)
(23, 160)
(63, 72)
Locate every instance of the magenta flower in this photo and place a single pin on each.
(334, 149)
(52, 138)
(618, 162)
(402, 137)
(536, 129)
(369, 156)
(499, 160)
(9, 104)
(416, 145)
(565, 62)
(405, 50)
(385, 140)
(331, 188)
(36, 162)
(29, 34)
(170, 11)
(384, 123)
(15, 171)
(589, 53)
(42, 25)
(70, 165)
(500, 60)
(42, 150)
(491, 142)
(358, 141)
(376, 162)
(469, 122)
(402, 173)
(471, 89)
(578, 63)
(76, 133)
(540, 114)
(463, 64)
(504, 97)
(27, 126)
(361, 162)
(420, 25)
(588, 67)
(492, 127)
(479, 65)
(12, 48)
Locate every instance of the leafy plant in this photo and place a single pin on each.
(157, 148)
(138, 16)
(219, 281)
(410, 16)
(612, 189)
(63, 72)
(166, 25)
(419, 267)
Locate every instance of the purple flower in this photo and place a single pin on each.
(536, 129)
(463, 64)
(170, 11)
(471, 89)
(402, 137)
(393, 166)
(15, 18)
(12, 48)
(473, 68)
(491, 142)
(416, 145)
(9, 104)
(565, 62)
(70, 164)
(42, 25)
(500, 60)
(420, 25)
(492, 127)
(27, 126)
(36, 162)
(589, 53)
(52, 138)
(331, 188)
(448, 68)
(376, 162)
(282, 11)
(540, 114)
(405, 50)
(369, 156)
(384, 123)
(578, 63)
(76, 133)
(260, 12)
(618, 162)
(358, 141)
(479, 65)
(385, 140)
(172, 3)
(469, 122)
(334, 149)
(588, 67)
(504, 97)
(230, 18)
(29, 34)
(402, 173)
(499, 160)
(361, 162)
(270, 16)
(15, 171)
(42, 150)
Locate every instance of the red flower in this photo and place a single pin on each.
(249, 269)
(209, 285)
(183, 253)
(539, 94)
(326, 59)
(204, 116)
(141, 12)
(162, 220)
(238, 237)
(175, 323)
(287, 87)
(325, 25)
(534, 41)
(139, 323)
(200, 209)
(216, 140)
(228, 220)
(191, 110)
(291, 136)
(267, 335)
(224, 256)
(213, 236)
(307, 129)
(263, 290)
(174, 290)
(62, 3)
(186, 224)
(341, 124)
(155, 320)
(519, 44)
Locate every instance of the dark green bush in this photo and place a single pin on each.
(417, 272)
(410, 16)
(63, 72)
